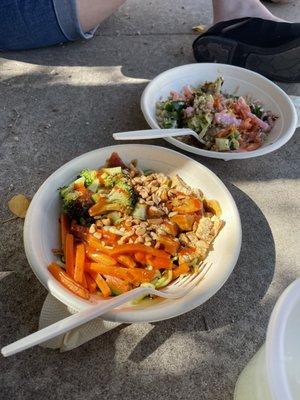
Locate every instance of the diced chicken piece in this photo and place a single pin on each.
(208, 228)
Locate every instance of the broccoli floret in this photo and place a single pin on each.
(108, 180)
(76, 205)
(89, 176)
(124, 194)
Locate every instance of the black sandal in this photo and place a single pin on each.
(267, 47)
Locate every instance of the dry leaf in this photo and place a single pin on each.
(199, 28)
(18, 205)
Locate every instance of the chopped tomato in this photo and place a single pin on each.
(115, 161)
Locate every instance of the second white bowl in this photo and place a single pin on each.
(237, 80)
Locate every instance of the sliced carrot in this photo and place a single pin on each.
(159, 262)
(140, 257)
(101, 283)
(91, 284)
(127, 261)
(109, 237)
(133, 275)
(96, 244)
(97, 208)
(64, 228)
(79, 263)
(100, 257)
(70, 265)
(136, 248)
(67, 281)
(84, 281)
(117, 285)
(170, 245)
(181, 269)
(186, 250)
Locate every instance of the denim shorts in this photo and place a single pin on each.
(27, 24)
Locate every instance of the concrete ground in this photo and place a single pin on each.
(59, 102)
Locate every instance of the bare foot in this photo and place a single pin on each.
(225, 10)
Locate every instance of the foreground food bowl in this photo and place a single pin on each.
(41, 230)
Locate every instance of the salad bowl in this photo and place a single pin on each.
(238, 82)
(41, 230)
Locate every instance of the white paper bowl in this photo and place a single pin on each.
(41, 230)
(237, 81)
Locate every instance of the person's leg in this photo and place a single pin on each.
(92, 12)
(225, 10)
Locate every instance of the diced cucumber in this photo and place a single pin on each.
(114, 216)
(140, 211)
(234, 144)
(140, 298)
(79, 182)
(223, 144)
(112, 171)
(156, 278)
(96, 197)
(94, 186)
(165, 279)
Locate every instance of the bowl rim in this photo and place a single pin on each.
(275, 340)
(279, 142)
(122, 315)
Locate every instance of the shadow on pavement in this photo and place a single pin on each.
(242, 292)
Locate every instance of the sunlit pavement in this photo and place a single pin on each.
(57, 103)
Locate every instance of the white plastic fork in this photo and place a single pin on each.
(155, 134)
(178, 288)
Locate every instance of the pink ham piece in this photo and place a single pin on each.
(189, 111)
(226, 119)
(245, 109)
(175, 95)
(187, 91)
(262, 124)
